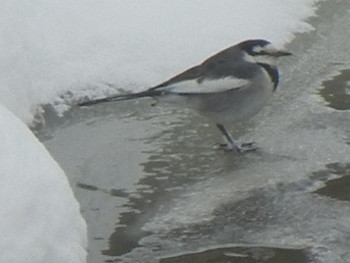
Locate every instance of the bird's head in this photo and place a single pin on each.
(261, 51)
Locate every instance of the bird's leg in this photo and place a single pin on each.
(233, 144)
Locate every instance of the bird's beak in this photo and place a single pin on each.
(282, 53)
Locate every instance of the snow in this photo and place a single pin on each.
(40, 218)
(90, 48)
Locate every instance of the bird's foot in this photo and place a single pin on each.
(240, 147)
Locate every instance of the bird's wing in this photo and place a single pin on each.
(214, 75)
(190, 74)
(202, 86)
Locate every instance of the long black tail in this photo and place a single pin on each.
(119, 97)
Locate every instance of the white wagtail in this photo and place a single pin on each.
(227, 88)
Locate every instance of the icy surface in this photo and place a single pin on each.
(40, 218)
(152, 187)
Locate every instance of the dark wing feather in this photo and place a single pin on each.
(192, 73)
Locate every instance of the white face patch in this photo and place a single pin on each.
(269, 49)
(249, 58)
(258, 49)
(264, 58)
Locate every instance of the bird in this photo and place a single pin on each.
(227, 88)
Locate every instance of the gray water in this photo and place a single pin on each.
(154, 188)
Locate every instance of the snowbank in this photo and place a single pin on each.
(40, 218)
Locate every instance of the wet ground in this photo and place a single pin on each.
(153, 188)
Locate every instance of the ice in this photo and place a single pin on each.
(40, 218)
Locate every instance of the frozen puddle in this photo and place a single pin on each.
(337, 178)
(153, 189)
(336, 91)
